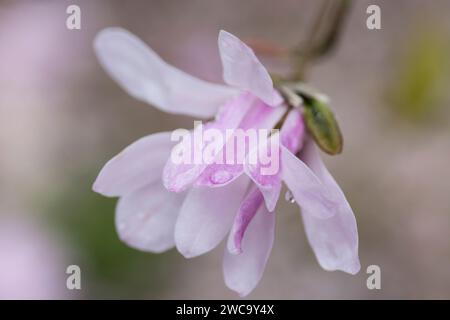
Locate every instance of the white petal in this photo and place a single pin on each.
(334, 240)
(145, 219)
(308, 190)
(243, 272)
(145, 76)
(242, 69)
(139, 164)
(206, 217)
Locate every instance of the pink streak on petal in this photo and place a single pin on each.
(249, 206)
(291, 137)
(177, 177)
(268, 184)
(293, 131)
(243, 272)
(260, 116)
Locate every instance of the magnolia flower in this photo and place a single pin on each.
(163, 204)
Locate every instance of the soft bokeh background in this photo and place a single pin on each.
(62, 118)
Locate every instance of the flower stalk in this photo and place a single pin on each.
(319, 119)
(323, 36)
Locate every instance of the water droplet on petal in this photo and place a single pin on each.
(289, 197)
(220, 177)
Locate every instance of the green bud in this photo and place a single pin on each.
(322, 125)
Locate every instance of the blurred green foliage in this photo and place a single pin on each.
(421, 77)
(110, 269)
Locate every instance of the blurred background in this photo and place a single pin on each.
(62, 118)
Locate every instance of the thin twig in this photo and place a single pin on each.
(322, 37)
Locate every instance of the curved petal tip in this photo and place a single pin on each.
(242, 69)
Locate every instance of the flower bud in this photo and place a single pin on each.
(322, 125)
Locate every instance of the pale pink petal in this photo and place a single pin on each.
(293, 131)
(334, 240)
(145, 218)
(291, 136)
(249, 206)
(178, 176)
(145, 76)
(206, 216)
(308, 190)
(266, 176)
(260, 116)
(242, 69)
(243, 272)
(271, 193)
(137, 165)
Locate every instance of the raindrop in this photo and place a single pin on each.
(289, 197)
(221, 177)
